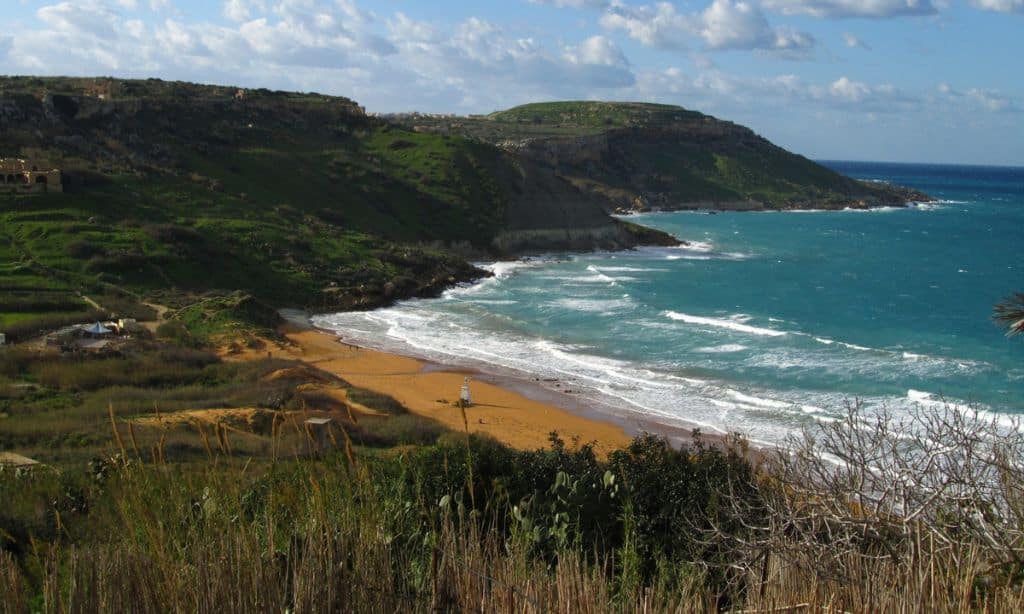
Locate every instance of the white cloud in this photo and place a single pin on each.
(724, 24)
(405, 30)
(1000, 6)
(597, 50)
(654, 26)
(130, 5)
(728, 24)
(237, 10)
(856, 8)
(853, 42)
(86, 17)
(478, 64)
(979, 99)
(851, 91)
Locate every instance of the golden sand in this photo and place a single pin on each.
(500, 412)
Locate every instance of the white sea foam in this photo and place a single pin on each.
(696, 246)
(507, 268)
(603, 306)
(852, 346)
(873, 209)
(630, 269)
(757, 401)
(721, 323)
(721, 349)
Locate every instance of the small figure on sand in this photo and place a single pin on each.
(465, 400)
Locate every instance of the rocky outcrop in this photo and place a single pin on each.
(636, 157)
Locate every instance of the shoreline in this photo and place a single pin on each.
(516, 411)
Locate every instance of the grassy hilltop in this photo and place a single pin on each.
(639, 156)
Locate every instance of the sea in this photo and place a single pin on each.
(765, 323)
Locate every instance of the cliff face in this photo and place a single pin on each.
(631, 156)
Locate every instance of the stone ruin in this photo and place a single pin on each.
(28, 176)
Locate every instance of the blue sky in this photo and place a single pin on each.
(902, 80)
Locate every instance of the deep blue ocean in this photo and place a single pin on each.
(766, 322)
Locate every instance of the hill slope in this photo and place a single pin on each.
(176, 189)
(638, 156)
(175, 192)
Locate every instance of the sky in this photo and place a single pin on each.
(886, 80)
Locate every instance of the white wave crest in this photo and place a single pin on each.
(721, 349)
(721, 323)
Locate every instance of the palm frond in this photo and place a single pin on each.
(1010, 312)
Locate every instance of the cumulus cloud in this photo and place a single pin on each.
(654, 26)
(597, 50)
(90, 17)
(728, 24)
(1000, 6)
(979, 99)
(862, 97)
(237, 10)
(856, 8)
(724, 24)
(478, 60)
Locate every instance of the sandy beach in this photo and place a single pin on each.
(431, 391)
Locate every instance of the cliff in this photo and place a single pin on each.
(635, 156)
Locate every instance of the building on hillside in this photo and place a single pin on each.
(16, 461)
(3, 339)
(28, 176)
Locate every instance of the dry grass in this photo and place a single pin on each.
(332, 536)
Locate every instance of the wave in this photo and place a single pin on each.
(720, 323)
(631, 269)
(873, 209)
(721, 349)
(602, 306)
(757, 401)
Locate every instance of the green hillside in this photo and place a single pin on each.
(595, 115)
(639, 156)
(177, 191)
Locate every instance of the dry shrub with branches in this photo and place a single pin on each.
(936, 486)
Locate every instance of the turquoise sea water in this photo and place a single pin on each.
(766, 322)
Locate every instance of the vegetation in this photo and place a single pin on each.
(464, 524)
(637, 155)
(1011, 313)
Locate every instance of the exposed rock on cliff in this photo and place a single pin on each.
(635, 157)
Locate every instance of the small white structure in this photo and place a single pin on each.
(3, 339)
(319, 432)
(465, 399)
(97, 330)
